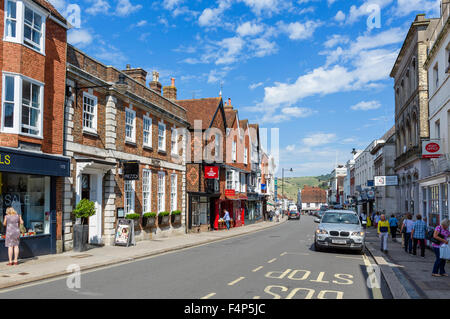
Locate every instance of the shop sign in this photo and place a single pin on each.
(230, 192)
(370, 194)
(386, 180)
(263, 187)
(431, 149)
(211, 172)
(370, 183)
(131, 171)
(124, 233)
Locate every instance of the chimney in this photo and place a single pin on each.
(137, 74)
(170, 92)
(155, 85)
(229, 104)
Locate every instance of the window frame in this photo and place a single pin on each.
(18, 102)
(245, 155)
(173, 195)
(133, 197)
(163, 147)
(234, 151)
(174, 141)
(149, 131)
(132, 139)
(162, 175)
(146, 193)
(95, 116)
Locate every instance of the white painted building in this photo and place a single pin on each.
(336, 191)
(364, 174)
(434, 189)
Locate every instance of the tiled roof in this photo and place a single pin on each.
(313, 195)
(200, 109)
(47, 5)
(230, 116)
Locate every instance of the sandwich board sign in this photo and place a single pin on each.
(124, 233)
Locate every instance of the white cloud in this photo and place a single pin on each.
(211, 16)
(364, 10)
(299, 31)
(297, 112)
(266, 6)
(171, 4)
(125, 8)
(290, 148)
(340, 16)
(336, 39)
(405, 7)
(262, 47)
(366, 105)
(79, 37)
(249, 29)
(141, 23)
(330, 2)
(232, 48)
(319, 139)
(255, 85)
(98, 6)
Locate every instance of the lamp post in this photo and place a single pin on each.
(282, 181)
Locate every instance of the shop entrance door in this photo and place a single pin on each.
(95, 221)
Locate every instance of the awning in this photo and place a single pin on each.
(237, 197)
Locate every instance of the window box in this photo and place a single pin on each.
(163, 219)
(149, 220)
(135, 218)
(176, 217)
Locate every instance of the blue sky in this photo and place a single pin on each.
(316, 69)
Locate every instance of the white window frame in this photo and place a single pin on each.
(236, 179)
(163, 146)
(161, 191)
(149, 131)
(15, 20)
(132, 199)
(174, 141)
(173, 192)
(243, 182)
(246, 155)
(18, 94)
(130, 112)
(92, 129)
(234, 151)
(146, 191)
(229, 179)
(20, 24)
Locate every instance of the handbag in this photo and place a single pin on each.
(444, 252)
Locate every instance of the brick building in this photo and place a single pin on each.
(32, 166)
(312, 198)
(126, 144)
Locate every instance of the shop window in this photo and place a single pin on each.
(200, 211)
(129, 197)
(146, 190)
(173, 192)
(434, 206)
(444, 204)
(89, 112)
(147, 131)
(29, 195)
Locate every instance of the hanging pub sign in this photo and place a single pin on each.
(211, 172)
(131, 171)
(431, 149)
(124, 233)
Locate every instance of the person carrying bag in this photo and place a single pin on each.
(440, 241)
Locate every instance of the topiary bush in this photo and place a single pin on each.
(84, 209)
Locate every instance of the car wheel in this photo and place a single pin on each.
(316, 247)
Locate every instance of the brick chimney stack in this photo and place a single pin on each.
(229, 104)
(170, 92)
(155, 85)
(137, 74)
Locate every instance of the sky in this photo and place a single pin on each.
(315, 70)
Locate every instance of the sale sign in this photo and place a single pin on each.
(431, 149)
(211, 172)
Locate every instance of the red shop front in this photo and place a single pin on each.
(235, 205)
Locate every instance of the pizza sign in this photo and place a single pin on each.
(431, 149)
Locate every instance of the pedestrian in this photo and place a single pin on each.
(363, 218)
(377, 219)
(277, 214)
(226, 217)
(383, 232)
(393, 223)
(440, 236)
(407, 228)
(418, 235)
(12, 221)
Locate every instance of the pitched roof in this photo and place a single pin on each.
(200, 109)
(230, 116)
(254, 132)
(47, 5)
(313, 195)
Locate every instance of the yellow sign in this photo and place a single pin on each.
(5, 159)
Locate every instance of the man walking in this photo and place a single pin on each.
(226, 217)
(393, 223)
(418, 235)
(383, 232)
(407, 227)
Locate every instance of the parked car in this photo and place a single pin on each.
(339, 229)
(294, 214)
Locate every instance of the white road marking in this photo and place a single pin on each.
(236, 281)
(209, 296)
(375, 291)
(257, 297)
(271, 261)
(356, 258)
(258, 268)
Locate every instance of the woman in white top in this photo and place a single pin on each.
(407, 227)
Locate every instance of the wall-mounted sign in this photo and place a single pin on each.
(370, 183)
(386, 180)
(120, 212)
(263, 187)
(230, 192)
(131, 171)
(431, 149)
(211, 172)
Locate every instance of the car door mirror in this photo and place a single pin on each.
(317, 220)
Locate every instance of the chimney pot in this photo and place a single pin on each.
(173, 82)
(128, 66)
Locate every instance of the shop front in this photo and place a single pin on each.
(28, 183)
(202, 212)
(253, 211)
(434, 195)
(236, 206)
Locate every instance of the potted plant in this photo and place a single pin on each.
(84, 209)
(176, 217)
(163, 218)
(135, 218)
(149, 219)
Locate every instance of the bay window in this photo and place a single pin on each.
(22, 105)
(32, 30)
(11, 19)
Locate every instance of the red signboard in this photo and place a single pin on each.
(230, 192)
(211, 172)
(431, 149)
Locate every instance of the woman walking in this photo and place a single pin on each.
(441, 234)
(11, 222)
(407, 228)
(383, 232)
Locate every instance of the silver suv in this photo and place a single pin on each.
(340, 229)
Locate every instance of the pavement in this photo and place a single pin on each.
(51, 266)
(408, 276)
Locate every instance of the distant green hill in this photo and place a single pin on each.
(292, 184)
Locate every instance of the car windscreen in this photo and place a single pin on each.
(340, 218)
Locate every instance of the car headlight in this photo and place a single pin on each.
(358, 234)
(321, 232)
